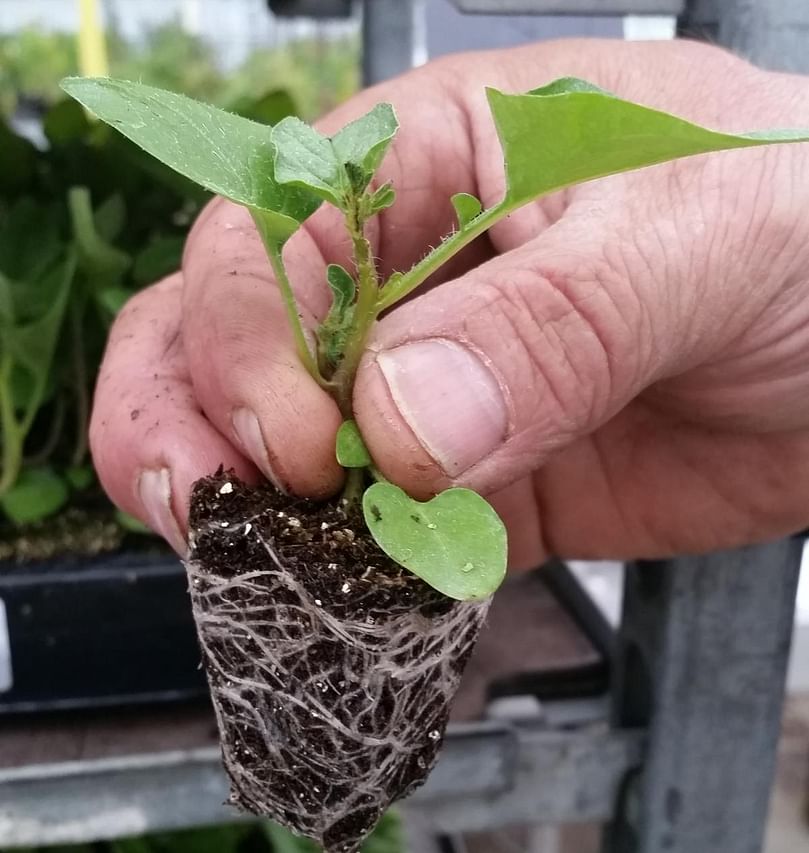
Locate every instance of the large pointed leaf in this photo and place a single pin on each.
(230, 155)
(571, 131)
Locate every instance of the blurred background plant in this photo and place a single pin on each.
(317, 72)
(262, 837)
(85, 221)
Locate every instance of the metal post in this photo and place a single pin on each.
(388, 29)
(704, 646)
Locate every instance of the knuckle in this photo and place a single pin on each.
(564, 332)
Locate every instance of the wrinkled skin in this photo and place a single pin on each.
(636, 348)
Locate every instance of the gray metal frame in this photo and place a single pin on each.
(703, 652)
(486, 777)
(572, 7)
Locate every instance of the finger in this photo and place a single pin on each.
(241, 355)
(480, 380)
(150, 441)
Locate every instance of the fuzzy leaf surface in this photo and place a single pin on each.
(364, 141)
(571, 131)
(306, 158)
(455, 542)
(225, 153)
(338, 166)
(350, 448)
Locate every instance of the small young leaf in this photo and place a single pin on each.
(227, 154)
(38, 493)
(334, 167)
(351, 449)
(571, 131)
(382, 198)
(342, 287)
(364, 141)
(467, 207)
(306, 158)
(455, 542)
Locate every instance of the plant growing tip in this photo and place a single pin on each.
(455, 542)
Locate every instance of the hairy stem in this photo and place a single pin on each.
(57, 422)
(291, 306)
(365, 311)
(416, 275)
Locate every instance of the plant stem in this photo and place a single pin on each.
(80, 378)
(291, 306)
(10, 432)
(365, 311)
(354, 485)
(407, 283)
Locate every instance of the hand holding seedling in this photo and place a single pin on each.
(643, 337)
(621, 364)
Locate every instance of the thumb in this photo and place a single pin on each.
(477, 381)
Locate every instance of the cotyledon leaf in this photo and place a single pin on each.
(571, 131)
(455, 542)
(225, 153)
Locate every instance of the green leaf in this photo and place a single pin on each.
(227, 154)
(18, 163)
(364, 141)
(342, 287)
(102, 261)
(306, 158)
(283, 841)
(110, 217)
(80, 477)
(351, 449)
(455, 542)
(570, 131)
(112, 299)
(387, 837)
(269, 108)
(382, 198)
(32, 345)
(132, 524)
(467, 207)
(65, 122)
(334, 168)
(161, 257)
(38, 493)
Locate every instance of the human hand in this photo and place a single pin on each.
(620, 366)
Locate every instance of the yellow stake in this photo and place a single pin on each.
(92, 42)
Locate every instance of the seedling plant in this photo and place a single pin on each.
(334, 636)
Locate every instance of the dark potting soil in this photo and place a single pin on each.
(331, 667)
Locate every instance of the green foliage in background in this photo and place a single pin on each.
(89, 220)
(264, 837)
(317, 73)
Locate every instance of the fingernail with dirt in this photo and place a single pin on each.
(154, 488)
(249, 435)
(449, 398)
